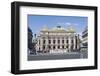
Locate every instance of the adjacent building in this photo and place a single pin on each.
(57, 40)
(31, 44)
(85, 39)
(30, 36)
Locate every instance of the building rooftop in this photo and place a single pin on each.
(59, 29)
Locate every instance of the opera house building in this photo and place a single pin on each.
(57, 40)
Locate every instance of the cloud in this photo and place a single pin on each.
(64, 23)
(68, 23)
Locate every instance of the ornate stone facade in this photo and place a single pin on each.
(58, 39)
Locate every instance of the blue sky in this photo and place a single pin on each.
(37, 22)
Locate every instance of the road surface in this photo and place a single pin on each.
(76, 55)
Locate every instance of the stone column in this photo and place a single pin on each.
(65, 43)
(41, 44)
(56, 43)
(78, 44)
(69, 44)
(46, 44)
(60, 43)
(51, 43)
(74, 40)
(37, 45)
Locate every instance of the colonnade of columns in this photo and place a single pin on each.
(69, 43)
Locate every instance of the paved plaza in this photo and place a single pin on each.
(70, 55)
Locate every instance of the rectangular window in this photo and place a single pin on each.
(63, 41)
(67, 46)
(66, 41)
(58, 41)
(53, 47)
(49, 41)
(53, 41)
(63, 47)
(43, 47)
(58, 47)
